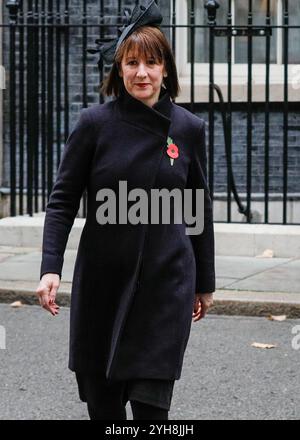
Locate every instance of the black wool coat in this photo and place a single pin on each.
(133, 286)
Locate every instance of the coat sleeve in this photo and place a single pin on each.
(203, 243)
(64, 200)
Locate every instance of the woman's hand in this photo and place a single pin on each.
(47, 290)
(202, 303)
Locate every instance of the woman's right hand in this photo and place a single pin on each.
(47, 290)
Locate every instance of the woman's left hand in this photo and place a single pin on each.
(202, 303)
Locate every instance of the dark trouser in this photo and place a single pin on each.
(106, 401)
(140, 411)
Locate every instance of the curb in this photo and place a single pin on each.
(242, 307)
(255, 308)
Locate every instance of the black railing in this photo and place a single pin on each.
(50, 79)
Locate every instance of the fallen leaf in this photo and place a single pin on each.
(267, 253)
(277, 317)
(16, 304)
(260, 345)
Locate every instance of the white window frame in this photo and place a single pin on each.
(239, 71)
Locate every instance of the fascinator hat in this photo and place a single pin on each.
(144, 13)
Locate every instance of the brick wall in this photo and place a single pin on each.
(239, 149)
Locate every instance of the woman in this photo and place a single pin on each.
(136, 287)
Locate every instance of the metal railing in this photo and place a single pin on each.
(41, 40)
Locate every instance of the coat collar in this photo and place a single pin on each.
(156, 119)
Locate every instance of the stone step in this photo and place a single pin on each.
(232, 239)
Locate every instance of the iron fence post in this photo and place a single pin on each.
(211, 6)
(13, 7)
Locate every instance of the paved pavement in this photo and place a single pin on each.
(245, 285)
(223, 376)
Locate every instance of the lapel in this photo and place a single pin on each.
(156, 119)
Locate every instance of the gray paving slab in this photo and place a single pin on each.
(242, 267)
(281, 278)
(244, 295)
(18, 250)
(221, 283)
(19, 265)
(26, 266)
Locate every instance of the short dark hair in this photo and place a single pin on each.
(145, 41)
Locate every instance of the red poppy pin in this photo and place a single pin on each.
(172, 150)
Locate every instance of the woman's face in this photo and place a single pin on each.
(142, 77)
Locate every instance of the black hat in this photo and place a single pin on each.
(144, 13)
